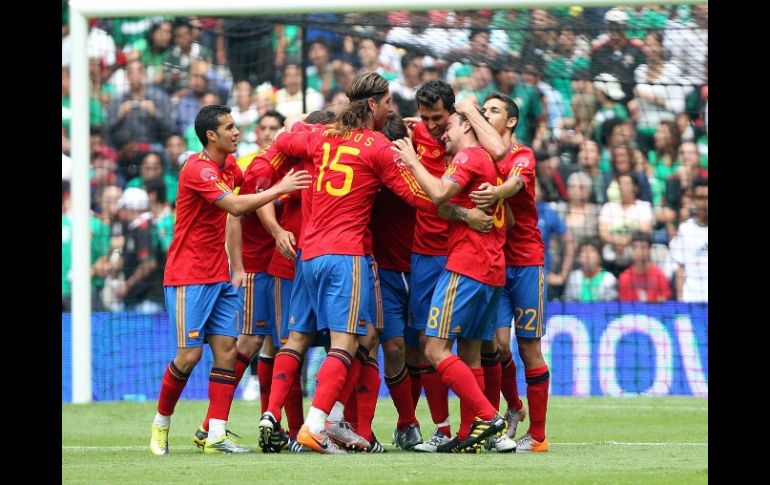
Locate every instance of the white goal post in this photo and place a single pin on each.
(81, 10)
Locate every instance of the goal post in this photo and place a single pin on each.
(82, 10)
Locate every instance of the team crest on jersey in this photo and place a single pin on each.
(515, 148)
(460, 158)
(208, 174)
(193, 334)
(263, 183)
(436, 152)
(521, 162)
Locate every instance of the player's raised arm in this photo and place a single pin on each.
(489, 138)
(439, 190)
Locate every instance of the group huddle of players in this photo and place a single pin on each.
(354, 232)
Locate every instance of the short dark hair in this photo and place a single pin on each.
(208, 119)
(510, 106)
(272, 114)
(157, 185)
(432, 91)
(323, 117)
(594, 243)
(639, 236)
(699, 181)
(409, 57)
(395, 128)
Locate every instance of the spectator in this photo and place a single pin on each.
(622, 163)
(565, 63)
(320, 76)
(249, 48)
(410, 79)
(152, 167)
(143, 114)
(268, 126)
(643, 280)
(527, 98)
(687, 42)
(678, 184)
(179, 59)
(689, 249)
(609, 93)
(174, 153)
(580, 215)
(615, 54)
(590, 282)
(162, 213)
(588, 163)
(191, 138)
(336, 102)
(245, 115)
(550, 224)
(288, 100)
(663, 159)
(142, 261)
(153, 49)
(660, 90)
(618, 220)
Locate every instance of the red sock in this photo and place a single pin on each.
(415, 376)
(437, 395)
(467, 416)
(537, 398)
(492, 377)
(171, 388)
(287, 365)
(368, 391)
(242, 362)
(353, 374)
(399, 387)
(331, 379)
(293, 407)
(221, 391)
(508, 383)
(351, 409)
(265, 376)
(455, 374)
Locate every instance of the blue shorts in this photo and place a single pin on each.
(373, 313)
(200, 310)
(425, 274)
(395, 303)
(301, 315)
(462, 308)
(524, 297)
(278, 316)
(340, 291)
(255, 297)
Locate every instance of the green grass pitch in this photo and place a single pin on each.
(593, 440)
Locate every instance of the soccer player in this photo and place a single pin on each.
(524, 295)
(435, 101)
(352, 161)
(197, 262)
(464, 302)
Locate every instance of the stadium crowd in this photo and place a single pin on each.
(613, 102)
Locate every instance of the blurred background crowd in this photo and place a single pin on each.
(613, 101)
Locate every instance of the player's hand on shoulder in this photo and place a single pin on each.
(295, 180)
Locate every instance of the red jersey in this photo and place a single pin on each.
(290, 220)
(197, 253)
(473, 254)
(651, 286)
(306, 201)
(524, 245)
(393, 230)
(350, 168)
(430, 230)
(257, 243)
